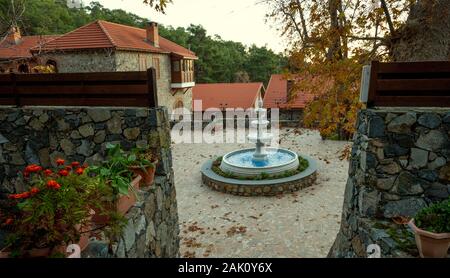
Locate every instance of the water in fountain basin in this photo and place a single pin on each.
(245, 159)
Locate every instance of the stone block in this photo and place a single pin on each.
(405, 207)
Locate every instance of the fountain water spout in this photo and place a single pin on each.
(261, 137)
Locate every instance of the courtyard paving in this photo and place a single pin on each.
(296, 225)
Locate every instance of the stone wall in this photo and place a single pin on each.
(82, 61)
(42, 134)
(400, 163)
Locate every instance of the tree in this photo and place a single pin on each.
(425, 35)
(262, 62)
(332, 39)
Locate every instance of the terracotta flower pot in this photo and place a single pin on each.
(430, 245)
(123, 204)
(148, 175)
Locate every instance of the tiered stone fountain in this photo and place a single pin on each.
(260, 170)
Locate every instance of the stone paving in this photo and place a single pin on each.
(295, 225)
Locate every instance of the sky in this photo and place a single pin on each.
(236, 20)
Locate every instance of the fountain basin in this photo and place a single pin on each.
(242, 163)
(266, 187)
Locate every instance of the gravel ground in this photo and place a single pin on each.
(296, 225)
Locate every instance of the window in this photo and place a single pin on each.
(157, 68)
(176, 66)
(178, 104)
(142, 63)
(23, 68)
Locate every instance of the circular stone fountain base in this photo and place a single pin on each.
(269, 187)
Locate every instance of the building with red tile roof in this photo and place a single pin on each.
(279, 94)
(227, 95)
(15, 54)
(103, 46)
(107, 35)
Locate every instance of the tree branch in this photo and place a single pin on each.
(388, 16)
(294, 22)
(302, 18)
(366, 38)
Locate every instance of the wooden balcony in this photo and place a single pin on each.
(183, 74)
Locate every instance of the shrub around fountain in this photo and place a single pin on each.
(303, 165)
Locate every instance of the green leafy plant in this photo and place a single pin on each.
(435, 218)
(142, 158)
(114, 171)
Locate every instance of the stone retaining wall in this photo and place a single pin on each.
(42, 134)
(400, 163)
(259, 190)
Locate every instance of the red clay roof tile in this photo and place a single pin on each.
(227, 95)
(10, 51)
(277, 94)
(103, 34)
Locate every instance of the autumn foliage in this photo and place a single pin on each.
(331, 40)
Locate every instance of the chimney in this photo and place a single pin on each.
(14, 36)
(153, 34)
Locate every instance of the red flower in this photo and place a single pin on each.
(9, 221)
(75, 164)
(26, 174)
(53, 184)
(79, 171)
(25, 195)
(35, 190)
(63, 173)
(33, 168)
(68, 168)
(60, 162)
(48, 172)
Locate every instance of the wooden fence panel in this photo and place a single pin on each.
(134, 89)
(424, 84)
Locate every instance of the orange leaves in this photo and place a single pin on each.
(334, 112)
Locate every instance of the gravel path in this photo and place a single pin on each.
(302, 224)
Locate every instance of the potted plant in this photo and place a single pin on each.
(122, 187)
(143, 163)
(431, 227)
(54, 213)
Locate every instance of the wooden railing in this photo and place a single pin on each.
(183, 77)
(425, 84)
(127, 89)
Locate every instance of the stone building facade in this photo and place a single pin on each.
(42, 134)
(400, 163)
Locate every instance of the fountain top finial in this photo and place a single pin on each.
(259, 102)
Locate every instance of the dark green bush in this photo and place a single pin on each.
(435, 218)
